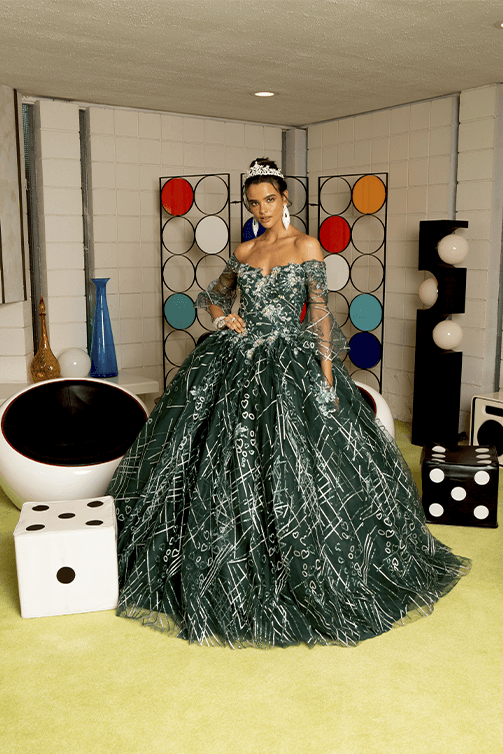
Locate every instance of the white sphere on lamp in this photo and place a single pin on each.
(74, 362)
(452, 249)
(447, 334)
(428, 291)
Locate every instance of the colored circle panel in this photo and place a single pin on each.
(177, 196)
(212, 234)
(179, 311)
(364, 350)
(369, 194)
(337, 272)
(365, 312)
(335, 234)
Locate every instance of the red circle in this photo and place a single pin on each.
(177, 196)
(335, 234)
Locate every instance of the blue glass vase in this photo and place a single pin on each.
(103, 359)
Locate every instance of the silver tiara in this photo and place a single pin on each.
(257, 169)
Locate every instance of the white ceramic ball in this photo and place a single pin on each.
(74, 362)
(428, 291)
(447, 335)
(452, 249)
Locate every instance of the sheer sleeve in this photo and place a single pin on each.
(319, 325)
(222, 291)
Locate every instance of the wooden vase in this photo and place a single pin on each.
(45, 365)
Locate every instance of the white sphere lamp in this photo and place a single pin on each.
(428, 291)
(452, 249)
(447, 334)
(74, 362)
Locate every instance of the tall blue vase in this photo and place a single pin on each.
(103, 359)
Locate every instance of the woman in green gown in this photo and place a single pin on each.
(262, 504)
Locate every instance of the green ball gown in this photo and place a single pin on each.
(259, 506)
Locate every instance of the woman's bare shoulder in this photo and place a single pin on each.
(309, 248)
(243, 250)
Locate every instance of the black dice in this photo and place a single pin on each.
(460, 485)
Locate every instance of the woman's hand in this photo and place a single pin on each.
(235, 322)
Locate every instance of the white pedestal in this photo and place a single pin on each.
(66, 557)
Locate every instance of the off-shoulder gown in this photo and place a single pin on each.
(259, 506)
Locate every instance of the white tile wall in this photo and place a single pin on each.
(413, 144)
(57, 155)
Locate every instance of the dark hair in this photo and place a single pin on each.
(278, 182)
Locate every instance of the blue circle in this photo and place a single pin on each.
(248, 234)
(179, 311)
(364, 350)
(365, 312)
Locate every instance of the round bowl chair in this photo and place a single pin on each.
(378, 406)
(63, 439)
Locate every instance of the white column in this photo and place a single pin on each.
(57, 155)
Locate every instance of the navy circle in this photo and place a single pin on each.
(248, 233)
(364, 350)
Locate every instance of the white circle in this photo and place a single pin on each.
(481, 512)
(482, 462)
(438, 449)
(447, 334)
(452, 249)
(337, 272)
(485, 457)
(212, 234)
(74, 362)
(481, 450)
(436, 510)
(437, 475)
(482, 477)
(438, 456)
(458, 493)
(428, 291)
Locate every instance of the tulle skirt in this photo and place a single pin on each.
(256, 509)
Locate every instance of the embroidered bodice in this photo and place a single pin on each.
(271, 305)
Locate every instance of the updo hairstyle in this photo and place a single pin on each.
(278, 182)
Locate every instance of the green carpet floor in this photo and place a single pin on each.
(97, 683)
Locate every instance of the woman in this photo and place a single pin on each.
(262, 504)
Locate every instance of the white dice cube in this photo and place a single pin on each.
(66, 557)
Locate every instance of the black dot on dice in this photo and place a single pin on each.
(40, 508)
(35, 527)
(66, 515)
(65, 575)
(95, 522)
(95, 504)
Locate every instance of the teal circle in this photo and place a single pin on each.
(179, 311)
(365, 312)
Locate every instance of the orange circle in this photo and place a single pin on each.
(369, 194)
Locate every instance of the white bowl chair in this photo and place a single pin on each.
(63, 439)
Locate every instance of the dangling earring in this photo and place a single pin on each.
(286, 217)
(255, 226)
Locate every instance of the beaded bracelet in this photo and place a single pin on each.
(219, 323)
